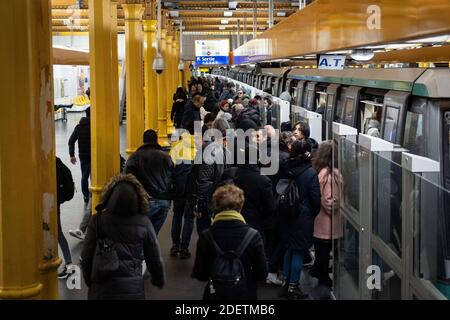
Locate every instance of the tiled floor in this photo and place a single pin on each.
(179, 283)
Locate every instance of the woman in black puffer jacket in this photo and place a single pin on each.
(123, 219)
(297, 231)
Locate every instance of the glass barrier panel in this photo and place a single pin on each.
(390, 284)
(347, 275)
(431, 245)
(350, 168)
(387, 201)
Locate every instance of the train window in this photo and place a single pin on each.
(349, 111)
(371, 118)
(414, 129)
(391, 124)
(321, 101)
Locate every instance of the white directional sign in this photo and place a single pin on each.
(331, 62)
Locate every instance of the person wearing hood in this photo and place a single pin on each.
(302, 131)
(121, 218)
(178, 107)
(82, 134)
(228, 231)
(153, 168)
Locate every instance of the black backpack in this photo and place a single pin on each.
(228, 280)
(287, 197)
(65, 185)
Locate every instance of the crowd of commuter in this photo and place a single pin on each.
(275, 224)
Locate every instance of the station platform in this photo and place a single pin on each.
(179, 284)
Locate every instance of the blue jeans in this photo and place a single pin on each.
(158, 212)
(293, 264)
(85, 174)
(62, 241)
(181, 233)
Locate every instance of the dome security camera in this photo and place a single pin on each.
(158, 64)
(181, 66)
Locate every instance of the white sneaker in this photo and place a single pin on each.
(272, 278)
(77, 234)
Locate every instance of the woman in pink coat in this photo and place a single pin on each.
(327, 225)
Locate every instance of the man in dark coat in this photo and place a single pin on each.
(228, 231)
(154, 168)
(192, 112)
(259, 205)
(122, 219)
(202, 181)
(82, 134)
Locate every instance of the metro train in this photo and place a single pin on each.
(408, 107)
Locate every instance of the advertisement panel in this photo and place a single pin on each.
(212, 52)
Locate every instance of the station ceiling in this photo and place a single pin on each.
(205, 16)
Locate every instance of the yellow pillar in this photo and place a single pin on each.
(175, 61)
(104, 147)
(28, 241)
(179, 72)
(151, 101)
(161, 96)
(115, 88)
(169, 82)
(135, 75)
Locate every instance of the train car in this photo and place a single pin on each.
(273, 78)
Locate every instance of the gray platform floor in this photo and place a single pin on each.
(179, 284)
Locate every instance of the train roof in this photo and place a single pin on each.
(433, 83)
(389, 79)
(277, 72)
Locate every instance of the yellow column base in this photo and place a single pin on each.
(49, 272)
(15, 293)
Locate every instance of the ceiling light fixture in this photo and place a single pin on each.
(224, 21)
(281, 14)
(362, 54)
(222, 27)
(227, 13)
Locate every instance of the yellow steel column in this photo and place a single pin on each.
(161, 96)
(135, 75)
(103, 119)
(179, 72)
(115, 88)
(28, 240)
(169, 82)
(151, 101)
(175, 61)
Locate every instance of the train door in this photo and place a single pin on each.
(309, 99)
(328, 114)
(393, 117)
(350, 106)
(299, 93)
(287, 86)
(446, 149)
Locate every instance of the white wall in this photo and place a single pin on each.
(82, 42)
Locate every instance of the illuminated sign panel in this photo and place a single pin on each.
(212, 52)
